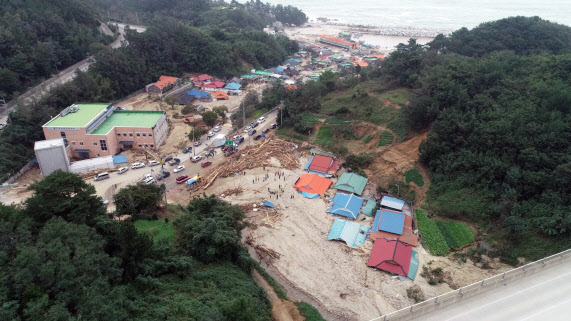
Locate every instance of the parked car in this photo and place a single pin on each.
(197, 143)
(182, 179)
(247, 129)
(254, 124)
(274, 126)
(137, 165)
(149, 180)
(252, 132)
(210, 133)
(187, 149)
(261, 119)
(105, 202)
(168, 158)
(102, 176)
(265, 130)
(122, 170)
(154, 163)
(216, 128)
(204, 164)
(162, 175)
(235, 137)
(196, 158)
(178, 169)
(257, 137)
(175, 161)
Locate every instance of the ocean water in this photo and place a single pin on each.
(442, 14)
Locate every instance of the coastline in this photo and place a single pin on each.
(385, 42)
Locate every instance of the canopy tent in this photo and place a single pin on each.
(350, 232)
(351, 182)
(312, 183)
(392, 256)
(392, 202)
(347, 205)
(388, 221)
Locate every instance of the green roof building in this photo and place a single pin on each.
(351, 182)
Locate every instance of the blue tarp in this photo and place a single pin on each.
(233, 86)
(347, 205)
(268, 204)
(388, 221)
(119, 159)
(190, 181)
(280, 69)
(352, 233)
(197, 93)
(309, 195)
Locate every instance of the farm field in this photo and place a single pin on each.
(441, 236)
(413, 175)
(386, 138)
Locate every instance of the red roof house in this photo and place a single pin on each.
(202, 78)
(213, 85)
(163, 85)
(312, 183)
(391, 256)
(324, 164)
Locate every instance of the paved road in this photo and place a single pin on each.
(63, 76)
(543, 296)
(106, 188)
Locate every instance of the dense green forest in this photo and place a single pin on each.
(63, 258)
(219, 14)
(38, 38)
(497, 101)
(170, 46)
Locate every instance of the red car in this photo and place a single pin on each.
(182, 179)
(204, 164)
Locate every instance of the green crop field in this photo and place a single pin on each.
(310, 118)
(431, 235)
(323, 136)
(156, 229)
(413, 175)
(386, 138)
(456, 234)
(399, 128)
(367, 139)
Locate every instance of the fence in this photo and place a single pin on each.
(21, 172)
(473, 289)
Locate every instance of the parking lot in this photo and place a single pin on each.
(108, 187)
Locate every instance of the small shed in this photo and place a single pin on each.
(220, 95)
(392, 202)
(312, 183)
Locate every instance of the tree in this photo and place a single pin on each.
(138, 199)
(171, 100)
(64, 195)
(188, 108)
(196, 133)
(221, 111)
(209, 118)
(210, 231)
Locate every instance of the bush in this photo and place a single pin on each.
(342, 110)
(189, 108)
(415, 293)
(413, 175)
(302, 128)
(344, 132)
(309, 312)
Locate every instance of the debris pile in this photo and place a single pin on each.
(254, 157)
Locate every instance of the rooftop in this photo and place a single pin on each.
(43, 144)
(128, 119)
(81, 118)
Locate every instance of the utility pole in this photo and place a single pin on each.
(137, 14)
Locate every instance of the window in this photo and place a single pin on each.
(146, 145)
(150, 135)
(130, 134)
(138, 134)
(124, 134)
(64, 138)
(73, 143)
(118, 134)
(95, 143)
(152, 146)
(97, 155)
(103, 144)
(140, 145)
(144, 135)
(81, 143)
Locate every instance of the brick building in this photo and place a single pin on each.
(94, 130)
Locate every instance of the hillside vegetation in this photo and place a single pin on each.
(499, 146)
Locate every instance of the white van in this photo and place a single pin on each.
(122, 170)
(261, 119)
(149, 180)
(102, 176)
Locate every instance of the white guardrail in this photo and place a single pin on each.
(473, 289)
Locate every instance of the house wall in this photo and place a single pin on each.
(161, 131)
